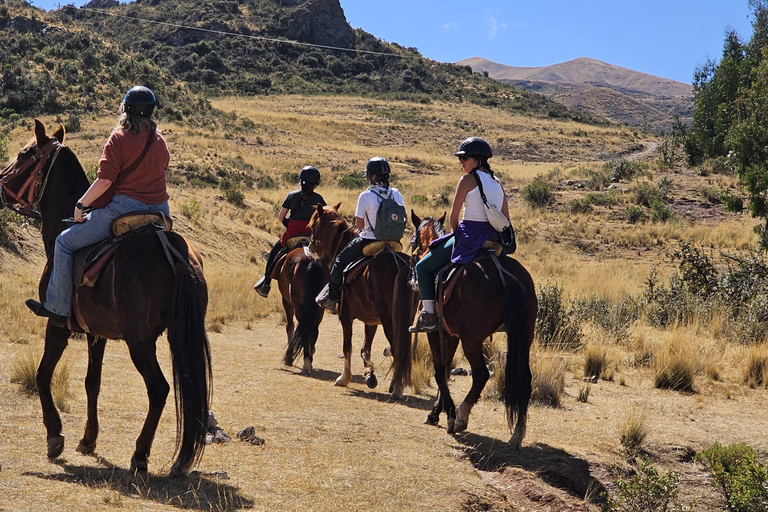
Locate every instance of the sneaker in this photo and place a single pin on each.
(39, 309)
(262, 287)
(324, 300)
(427, 322)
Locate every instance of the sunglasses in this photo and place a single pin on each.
(464, 158)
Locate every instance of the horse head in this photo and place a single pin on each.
(330, 232)
(427, 230)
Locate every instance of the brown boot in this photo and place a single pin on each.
(427, 322)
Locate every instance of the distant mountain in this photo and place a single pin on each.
(600, 89)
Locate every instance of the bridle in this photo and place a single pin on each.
(315, 244)
(31, 191)
(415, 243)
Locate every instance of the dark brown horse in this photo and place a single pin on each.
(300, 278)
(137, 297)
(380, 295)
(484, 298)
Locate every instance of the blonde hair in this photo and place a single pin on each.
(135, 123)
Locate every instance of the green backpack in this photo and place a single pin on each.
(390, 219)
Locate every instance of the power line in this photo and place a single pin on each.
(235, 34)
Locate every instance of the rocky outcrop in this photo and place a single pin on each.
(96, 4)
(315, 21)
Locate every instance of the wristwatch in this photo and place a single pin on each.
(79, 206)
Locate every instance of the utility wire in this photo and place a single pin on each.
(235, 34)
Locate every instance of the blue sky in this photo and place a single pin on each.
(667, 38)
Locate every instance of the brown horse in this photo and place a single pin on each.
(300, 278)
(380, 295)
(137, 297)
(471, 312)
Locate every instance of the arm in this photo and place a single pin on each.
(283, 213)
(95, 191)
(505, 204)
(466, 184)
(359, 223)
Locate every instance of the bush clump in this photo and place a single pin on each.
(737, 475)
(539, 193)
(557, 325)
(649, 491)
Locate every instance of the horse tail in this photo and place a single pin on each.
(191, 357)
(517, 375)
(402, 316)
(307, 330)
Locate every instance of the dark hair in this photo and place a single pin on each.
(482, 164)
(380, 180)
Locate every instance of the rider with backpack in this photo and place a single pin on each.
(379, 216)
(300, 204)
(476, 187)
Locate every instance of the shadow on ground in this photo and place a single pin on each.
(552, 465)
(197, 492)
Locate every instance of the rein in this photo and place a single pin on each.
(29, 194)
(338, 236)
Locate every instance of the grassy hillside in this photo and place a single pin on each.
(74, 62)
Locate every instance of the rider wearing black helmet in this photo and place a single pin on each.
(377, 172)
(131, 177)
(469, 233)
(300, 204)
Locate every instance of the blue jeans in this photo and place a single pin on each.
(58, 298)
(437, 257)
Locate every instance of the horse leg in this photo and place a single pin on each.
(92, 387)
(473, 351)
(288, 321)
(441, 359)
(145, 360)
(346, 329)
(55, 343)
(365, 354)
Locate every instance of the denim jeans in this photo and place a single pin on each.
(437, 257)
(58, 298)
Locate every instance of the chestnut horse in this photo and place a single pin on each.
(300, 278)
(380, 295)
(472, 313)
(137, 297)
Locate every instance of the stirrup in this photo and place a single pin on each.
(262, 287)
(323, 300)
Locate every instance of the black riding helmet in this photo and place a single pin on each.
(475, 146)
(377, 166)
(140, 101)
(309, 175)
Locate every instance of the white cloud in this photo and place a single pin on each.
(451, 25)
(493, 23)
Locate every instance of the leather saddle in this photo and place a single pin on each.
(290, 244)
(354, 269)
(91, 260)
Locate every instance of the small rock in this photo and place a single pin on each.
(459, 371)
(248, 435)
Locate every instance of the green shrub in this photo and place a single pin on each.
(731, 202)
(634, 214)
(353, 180)
(556, 324)
(645, 193)
(603, 199)
(711, 194)
(539, 193)
(6, 217)
(580, 206)
(737, 475)
(648, 491)
(419, 200)
(598, 180)
(660, 212)
(191, 210)
(235, 196)
(622, 169)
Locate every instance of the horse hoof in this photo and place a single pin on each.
(55, 446)
(85, 448)
(459, 426)
(178, 472)
(139, 466)
(450, 425)
(340, 383)
(371, 381)
(306, 369)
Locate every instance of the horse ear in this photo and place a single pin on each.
(59, 133)
(40, 136)
(415, 219)
(319, 209)
(337, 206)
(442, 219)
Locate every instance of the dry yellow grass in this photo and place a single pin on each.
(330, 448)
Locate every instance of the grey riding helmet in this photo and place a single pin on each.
(475, 146)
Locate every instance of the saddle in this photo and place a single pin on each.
(448, 277)
(290, 244)
(91, 260)
(354, 269)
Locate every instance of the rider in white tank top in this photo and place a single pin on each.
(473, 203)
